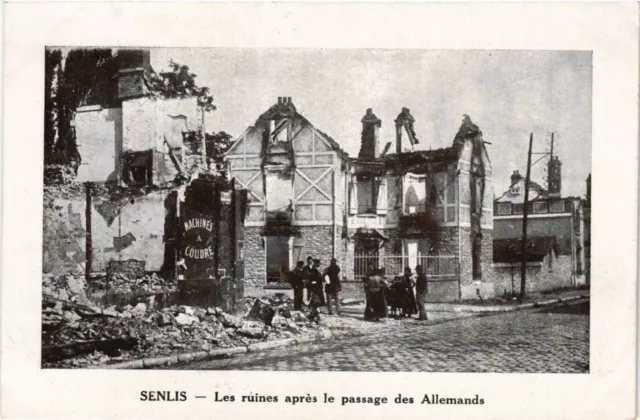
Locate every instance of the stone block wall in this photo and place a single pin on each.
(255, 257)
(466, 261)
(317, 241)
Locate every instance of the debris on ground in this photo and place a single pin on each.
(81, 334)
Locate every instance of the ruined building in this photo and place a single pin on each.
(149, 194)
(390, 207)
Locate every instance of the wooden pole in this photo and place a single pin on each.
(88, 246)
(525, 212)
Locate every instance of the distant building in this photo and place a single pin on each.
(549, 215)
(545, 268)
(390, 207)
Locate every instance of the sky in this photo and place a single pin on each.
(508, 94)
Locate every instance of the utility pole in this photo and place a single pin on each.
(525, 211)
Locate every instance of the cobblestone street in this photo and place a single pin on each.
(553, 340)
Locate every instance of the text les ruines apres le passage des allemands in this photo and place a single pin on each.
(344, 400)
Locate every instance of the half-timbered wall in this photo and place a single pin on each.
(314, 181)
(245, 161)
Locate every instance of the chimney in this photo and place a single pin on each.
(370, 136)
(134, 67)
(515, 177)
(405, 136)
(554, 177)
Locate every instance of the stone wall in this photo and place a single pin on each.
(540, 276)
(317, 241)
(255, 258)
(486, 255)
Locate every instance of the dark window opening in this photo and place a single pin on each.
(137, 168)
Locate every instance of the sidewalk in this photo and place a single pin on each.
(494, 305)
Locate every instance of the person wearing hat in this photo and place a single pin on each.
(306, 275)
(332, 287)
(316, 295)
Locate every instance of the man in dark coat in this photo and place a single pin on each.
(297, 284)
(316, 294)
(333, 288)
(421, 292)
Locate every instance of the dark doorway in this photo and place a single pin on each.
(278, 258)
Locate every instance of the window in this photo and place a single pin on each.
(445, 188)
(517, 208)
(557, 206)
(504, 208)
(540, 207)
(137, 168)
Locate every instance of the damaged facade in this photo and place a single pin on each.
(146, 176)
(391, 207)
(549, 215)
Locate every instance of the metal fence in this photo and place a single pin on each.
(437, 267)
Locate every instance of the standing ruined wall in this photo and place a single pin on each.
(131, 227)
(99, 138)
(470, 290)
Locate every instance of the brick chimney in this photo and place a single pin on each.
(134, 67)
(554, 177)
(405, 136)
(515, 177)
(370, 136)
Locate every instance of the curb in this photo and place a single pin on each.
(163, 361)
(494, 309)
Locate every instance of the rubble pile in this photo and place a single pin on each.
(66, 287)
(75, 335)
(121, 283)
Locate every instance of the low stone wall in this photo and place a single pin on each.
(539, 276)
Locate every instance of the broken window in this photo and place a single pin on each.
(137, 168)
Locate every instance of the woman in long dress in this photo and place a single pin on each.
(376, 306)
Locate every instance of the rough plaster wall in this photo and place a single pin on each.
(99, 139)
(147, 122)
(141, 226)
(63, 235)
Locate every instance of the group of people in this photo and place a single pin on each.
(310, 276)
(379, 294)
(323, 288)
